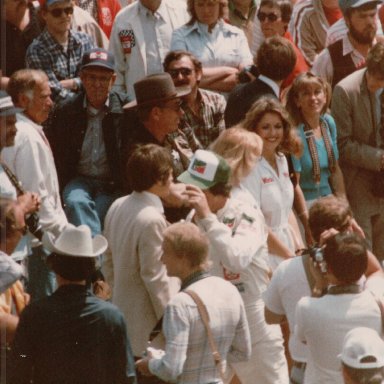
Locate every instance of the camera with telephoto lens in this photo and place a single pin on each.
(316, 253)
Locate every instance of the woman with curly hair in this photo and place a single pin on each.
(269, 182)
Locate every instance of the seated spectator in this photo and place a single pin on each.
(349, 54)
(141, 37)
(362, 357)
(72, 336)
(188, 357)
(58, 50)
(203, 110)
(275, 60)
(222, 49)
(85, 138)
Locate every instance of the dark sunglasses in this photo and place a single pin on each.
(175, 72)
(57, 12)
(270, 16)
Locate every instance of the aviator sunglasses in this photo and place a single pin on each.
(57, 12)
(270, 16)
(175, 72)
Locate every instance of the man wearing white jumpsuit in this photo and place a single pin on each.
(238, 249)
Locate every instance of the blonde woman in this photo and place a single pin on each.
(242, 150)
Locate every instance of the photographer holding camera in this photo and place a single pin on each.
(322, 323)
(293, 279)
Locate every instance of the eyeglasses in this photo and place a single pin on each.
(174, 107)
(101, 79)
(270, 16)
(57, 12)
(175, 72)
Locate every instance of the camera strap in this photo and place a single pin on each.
(311, 281)
(343, 289)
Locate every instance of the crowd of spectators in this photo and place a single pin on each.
(192, 191)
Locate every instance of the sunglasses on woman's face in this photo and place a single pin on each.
(270, 16)
(57, 12)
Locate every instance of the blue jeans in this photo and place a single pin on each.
(41, 280)
(87, 200)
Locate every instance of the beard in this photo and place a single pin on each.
(365, 37)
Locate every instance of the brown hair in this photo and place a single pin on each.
(223, 12)
(241, 149)
(303, 82)
(177, 55)
(328, 212)
(375, 60)
(276, 58)
(147, 165)
(291, 143)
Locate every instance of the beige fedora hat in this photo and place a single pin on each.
(76, 242)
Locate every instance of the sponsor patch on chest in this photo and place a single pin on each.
(127, 40)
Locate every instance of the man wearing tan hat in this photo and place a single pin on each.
(72, 336)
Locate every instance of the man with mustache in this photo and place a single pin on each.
(347, 55)
(203, 110)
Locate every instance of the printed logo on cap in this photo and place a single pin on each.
(98, 56)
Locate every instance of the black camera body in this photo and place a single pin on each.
(244, 78)
(33, 225)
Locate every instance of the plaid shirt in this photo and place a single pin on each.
(207, 126)
(47, 54)
(188, 358)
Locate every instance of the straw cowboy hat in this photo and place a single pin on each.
(156, 88)
(75, 241)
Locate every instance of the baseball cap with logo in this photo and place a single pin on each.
(363, 349)
(205, 170)
(98, 57)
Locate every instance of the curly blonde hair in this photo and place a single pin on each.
(291, 143)
(241, 149)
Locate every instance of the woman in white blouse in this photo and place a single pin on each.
(222, 48)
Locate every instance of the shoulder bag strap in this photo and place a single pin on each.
(311, 281)
(205, 318)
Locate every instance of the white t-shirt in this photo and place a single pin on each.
(324, 322)
(288, 285)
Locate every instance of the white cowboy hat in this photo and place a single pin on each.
(75, 241)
